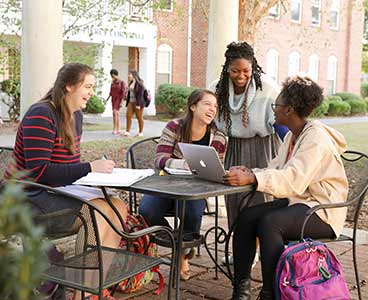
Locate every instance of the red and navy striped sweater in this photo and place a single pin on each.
(39, 152)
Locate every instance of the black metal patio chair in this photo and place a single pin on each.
(141, 155)
(356, 167)
(91, 267)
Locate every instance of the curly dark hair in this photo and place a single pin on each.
(235, 50)
(302, 94)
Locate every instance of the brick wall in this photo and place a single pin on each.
(172, 29)
(280, 34)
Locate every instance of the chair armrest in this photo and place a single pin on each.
(313, 209)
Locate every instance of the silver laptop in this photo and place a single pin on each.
(203, 161)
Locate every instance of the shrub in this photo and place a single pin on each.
(20, 270)
(364, 89)
(357, 106)
(338, 108)
(321, 110)
(11, 87)
(95, 105)
(348, 96)
(173, 97)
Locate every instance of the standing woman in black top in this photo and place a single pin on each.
(47, 150)
(135, 102)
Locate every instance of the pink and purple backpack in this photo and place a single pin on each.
(309, 270)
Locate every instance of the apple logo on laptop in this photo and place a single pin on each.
(202, 163)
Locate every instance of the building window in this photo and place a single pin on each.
(334, 14)
(316, 12)
(273, 64)
(294, 63)
(313, 67)
(164, 64)
(274, 11)
(166, 5)
(296, 11)
(331, 74)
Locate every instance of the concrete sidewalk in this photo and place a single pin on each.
(151, 128)
(203, 285)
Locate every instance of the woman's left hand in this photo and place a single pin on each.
(239, 176)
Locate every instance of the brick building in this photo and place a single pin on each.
(322, 38)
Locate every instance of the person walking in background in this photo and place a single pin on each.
(135, 103)
(117, 93)
(245, 95)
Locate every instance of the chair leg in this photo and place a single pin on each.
(356, 270)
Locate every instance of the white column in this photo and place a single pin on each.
(104, 63)
(147, 71)
(42, 48)
(222, 29)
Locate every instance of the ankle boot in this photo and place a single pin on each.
(241, 290)
(265, 295)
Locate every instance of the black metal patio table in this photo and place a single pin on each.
(186, 188)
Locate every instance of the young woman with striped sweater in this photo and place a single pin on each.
(197, 127)
(47, 149)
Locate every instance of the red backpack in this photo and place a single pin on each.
(141, 245)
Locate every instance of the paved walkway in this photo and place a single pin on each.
(203, 285)
(151, 128)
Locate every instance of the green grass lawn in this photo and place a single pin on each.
(356, 135)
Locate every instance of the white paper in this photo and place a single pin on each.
(177, 171)
(119, 177)
(85, 192)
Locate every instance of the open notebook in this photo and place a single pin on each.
(119, 177)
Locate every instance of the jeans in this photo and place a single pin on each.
(154, 208)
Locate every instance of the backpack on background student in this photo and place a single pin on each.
(146, 97)
(310, 270)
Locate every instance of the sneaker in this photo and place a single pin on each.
(126, 133)
(140, 134)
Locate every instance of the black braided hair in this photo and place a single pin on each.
(234, 51)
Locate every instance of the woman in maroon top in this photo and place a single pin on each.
(117, 94)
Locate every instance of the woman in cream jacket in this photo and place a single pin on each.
(307, 171)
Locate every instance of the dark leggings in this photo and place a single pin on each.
(273, 222)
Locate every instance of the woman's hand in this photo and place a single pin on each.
(102, 166)
(239, 175)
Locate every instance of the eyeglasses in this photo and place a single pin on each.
(274, 105)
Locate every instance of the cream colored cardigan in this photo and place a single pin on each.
(313, 175)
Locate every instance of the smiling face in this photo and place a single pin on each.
(240, 71)
(78, 95)
(205, 109)
(281, 111)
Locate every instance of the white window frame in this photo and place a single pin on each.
(332, 73)
(165, 48)
(335, 8)
(272, 64)
(294, 63)
(274, 11)
(316, 3)
(313, 67)
(299, 3)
